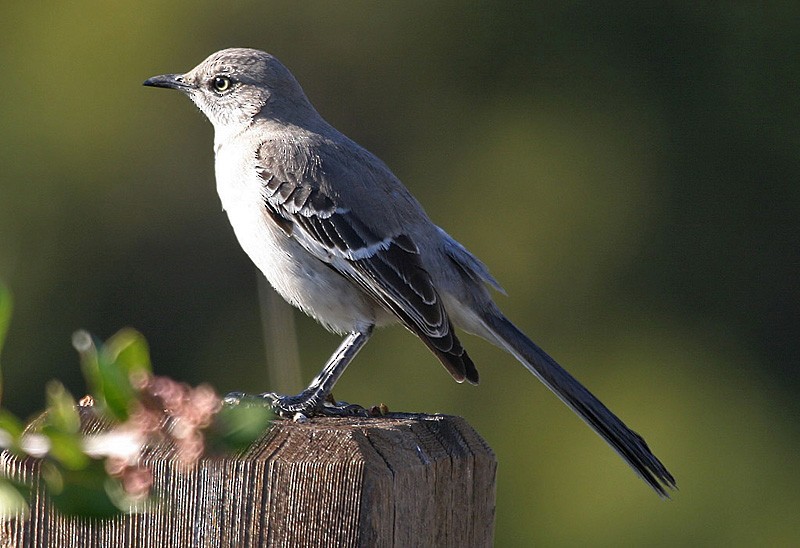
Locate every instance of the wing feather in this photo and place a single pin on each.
(387, 267)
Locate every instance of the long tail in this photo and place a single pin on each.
(625, 441)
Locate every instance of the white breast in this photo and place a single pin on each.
(300, 278)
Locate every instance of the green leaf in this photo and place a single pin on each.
(236, 427)
(6, 306)
(85, 344)
(117, 392)
(11, 424)
(13, 497)
(11, 429)
(62, 425)
(66, 448)
(107, 369)
(81, 492)
(128, 349)
(123, 357)
(62, 412)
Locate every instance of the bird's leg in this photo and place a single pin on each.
(312, 400)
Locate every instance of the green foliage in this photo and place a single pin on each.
(236, 427)
(11, 426)
(110, 369)
(83, 491)
(62, 428)
(117, 373)
(5, 319)
(13, 497)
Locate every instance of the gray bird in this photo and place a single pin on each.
(340, 237)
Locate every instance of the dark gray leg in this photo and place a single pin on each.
(311, 401)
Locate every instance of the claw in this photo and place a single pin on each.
(299, 418)
(301, 407)
(343, 409)
(234, 398)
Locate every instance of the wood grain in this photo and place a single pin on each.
(399, 480)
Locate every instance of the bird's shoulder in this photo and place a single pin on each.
(312, 174)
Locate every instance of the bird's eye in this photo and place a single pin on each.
(221, 84)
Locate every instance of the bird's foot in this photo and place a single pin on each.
(300, 407)
(303, 406)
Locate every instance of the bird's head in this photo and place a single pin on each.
(233, 87)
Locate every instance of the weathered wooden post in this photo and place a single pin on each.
(399, 480)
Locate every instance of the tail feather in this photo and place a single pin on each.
(630, 445)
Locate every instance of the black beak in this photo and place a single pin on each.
(172, 81)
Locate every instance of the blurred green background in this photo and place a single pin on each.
(639, 164)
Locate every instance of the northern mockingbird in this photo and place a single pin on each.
(340, 237)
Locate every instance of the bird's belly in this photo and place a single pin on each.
(303, 280)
